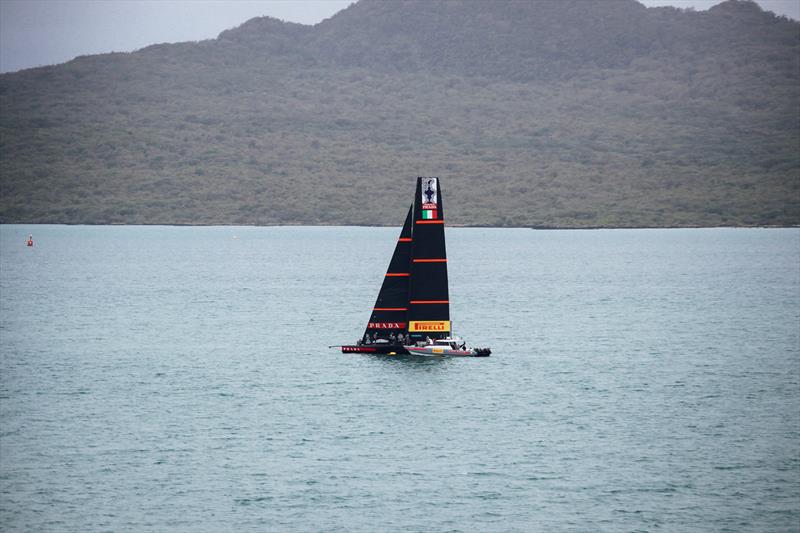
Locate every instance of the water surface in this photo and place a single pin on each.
(177, 378)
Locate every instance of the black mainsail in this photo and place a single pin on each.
(390, 313)
(429, 303)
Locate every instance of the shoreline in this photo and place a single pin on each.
(475, 226)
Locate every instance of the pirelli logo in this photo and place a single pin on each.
(429, 325)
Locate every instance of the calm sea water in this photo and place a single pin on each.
(179, 379)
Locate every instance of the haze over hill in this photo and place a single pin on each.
(569, 113)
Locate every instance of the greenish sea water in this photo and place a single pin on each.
(179, 379)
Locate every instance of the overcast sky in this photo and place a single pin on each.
(44, 32)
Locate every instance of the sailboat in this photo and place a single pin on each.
(412, 312)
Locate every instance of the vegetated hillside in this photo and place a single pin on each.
(546, 113)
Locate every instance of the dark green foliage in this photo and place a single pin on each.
(548, 113)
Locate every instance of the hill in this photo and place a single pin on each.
(557, 114)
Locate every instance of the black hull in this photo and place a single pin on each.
(376, 349)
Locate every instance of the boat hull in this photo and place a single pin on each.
(377, 349)
(443, 351)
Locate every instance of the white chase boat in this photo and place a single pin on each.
(448, 346)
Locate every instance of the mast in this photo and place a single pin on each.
(390, 313)
(429, 301)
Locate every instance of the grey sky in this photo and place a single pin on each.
(44, 32)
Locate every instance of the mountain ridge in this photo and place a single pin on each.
(567, 114)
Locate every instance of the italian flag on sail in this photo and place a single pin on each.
(428, 214)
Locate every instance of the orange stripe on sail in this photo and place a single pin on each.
(430, 221)
(397, 274)
(404, 239)
(390, 308)
(430, 260)
(430, 301)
